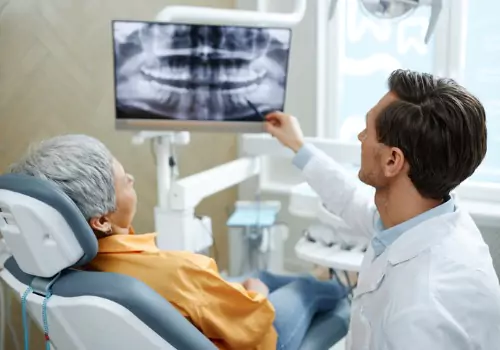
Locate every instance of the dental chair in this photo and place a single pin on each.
(50, 241)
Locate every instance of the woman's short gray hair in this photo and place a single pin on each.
(80, 165)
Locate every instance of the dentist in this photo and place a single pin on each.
(427, 281)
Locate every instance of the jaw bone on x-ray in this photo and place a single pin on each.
(198, 72)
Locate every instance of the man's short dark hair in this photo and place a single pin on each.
(439, 126)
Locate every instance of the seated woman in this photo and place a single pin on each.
(266, 312)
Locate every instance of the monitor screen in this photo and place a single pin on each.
(198, 77)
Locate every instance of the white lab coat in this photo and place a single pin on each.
(434, 288)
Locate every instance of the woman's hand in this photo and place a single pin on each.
(256, 285)
(286, 129)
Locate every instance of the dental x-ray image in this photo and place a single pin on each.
(198, 72)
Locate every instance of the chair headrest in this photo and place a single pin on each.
(43, 228)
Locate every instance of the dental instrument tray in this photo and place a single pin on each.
(329, 241)
(192, 77)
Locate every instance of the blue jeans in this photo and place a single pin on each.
(297, 300)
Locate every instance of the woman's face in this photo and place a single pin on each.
(126, 200)
(119, 221)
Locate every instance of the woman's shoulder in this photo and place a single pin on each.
(192, 260)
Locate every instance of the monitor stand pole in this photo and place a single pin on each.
(164, 143)
(176, 230)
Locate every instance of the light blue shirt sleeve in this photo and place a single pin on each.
(303, 156)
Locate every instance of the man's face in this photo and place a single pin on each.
(374, 155)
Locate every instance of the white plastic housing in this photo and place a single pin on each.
(37, 235)
(265, 145)
(188, 192)
(331, 257)
(208, 15)
(88, 322)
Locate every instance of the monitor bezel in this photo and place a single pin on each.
(190, 125)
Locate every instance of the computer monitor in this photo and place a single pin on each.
(172, 76)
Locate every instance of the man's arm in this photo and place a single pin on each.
(337, 190)
(339, 194)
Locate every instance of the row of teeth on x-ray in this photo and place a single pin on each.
(184, 57)
(231, 78)
(246, 42)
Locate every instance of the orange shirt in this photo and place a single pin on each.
(230, 316)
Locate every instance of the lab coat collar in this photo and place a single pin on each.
(385, 237)
(408, 246)
(429, 233)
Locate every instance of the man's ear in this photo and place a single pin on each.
(101, 224)
(394, 162)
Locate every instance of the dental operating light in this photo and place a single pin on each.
(398, 9)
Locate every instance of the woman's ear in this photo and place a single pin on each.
(101, 224)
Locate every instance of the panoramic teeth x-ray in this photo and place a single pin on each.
(199, 72)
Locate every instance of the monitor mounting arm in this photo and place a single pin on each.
(209, 15)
